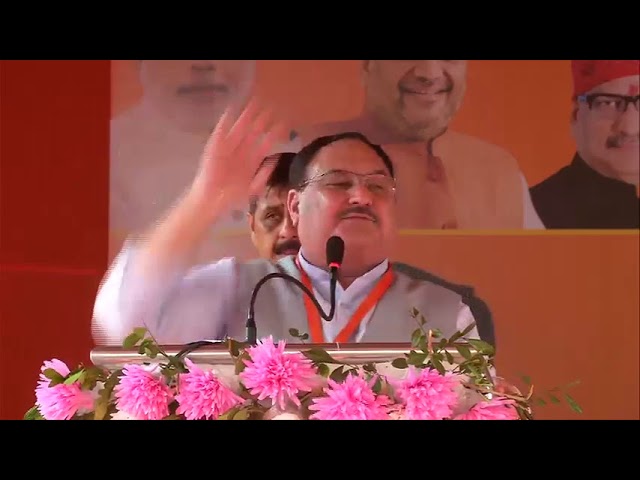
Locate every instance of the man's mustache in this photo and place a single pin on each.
(359, 210)
(286, 245)
(618, 141)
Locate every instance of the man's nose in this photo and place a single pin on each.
(288, 231)
(428, 69)
(360, 195)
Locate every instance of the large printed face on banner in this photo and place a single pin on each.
(195, 93)
(415, 99)
(605, 125)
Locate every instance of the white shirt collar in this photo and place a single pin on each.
(361, 286)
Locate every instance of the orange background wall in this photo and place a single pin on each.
(556, 298)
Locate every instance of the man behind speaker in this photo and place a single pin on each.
(272, 231)
(342, 185)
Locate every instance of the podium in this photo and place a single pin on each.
(218, 353)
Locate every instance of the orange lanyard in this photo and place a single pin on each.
(313, 316)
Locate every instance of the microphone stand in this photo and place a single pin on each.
(251, 322)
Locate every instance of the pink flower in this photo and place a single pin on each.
(273, 374)
(353, 399)
(494, 409)
(203, 395)
(61, 402)
(427, 394)
(142, 394)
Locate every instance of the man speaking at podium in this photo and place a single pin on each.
(343, 186)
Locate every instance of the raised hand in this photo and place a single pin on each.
(233, 153)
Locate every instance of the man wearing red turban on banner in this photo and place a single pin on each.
(599, 188)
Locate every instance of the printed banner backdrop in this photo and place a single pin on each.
(508, 128)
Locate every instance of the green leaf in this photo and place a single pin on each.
(228, 415)
(131, 340)
(482, 347)
(414, 312)
(553, 398)
(338, 375)
(399, 363)
(151, 351)
(464, 351)
(319, 355)
(526, 379)
(101, 407)
(33, 414)
(242, 414)
(323, 370)
(234, 348)
(449, 357)
(240, 365)
(572, 403)
(438, 365)
(173, 416)
(455, 337)
(54, 376)
(304, 336)
(74, 377)
(294, 332)
(541, 401)
(415, 337)
(436, 333)
(462, 333)
(370, 367)
(423, 321)
(423, 345)
(377, 386)
(416, 358)
(141, 332)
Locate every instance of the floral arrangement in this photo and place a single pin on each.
(428, 383)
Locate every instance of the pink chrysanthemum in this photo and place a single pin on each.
(203, 395)
(142, 394)
(427, 394)
(273, 374)
(353, 399)
(494, 409)
(61, 402)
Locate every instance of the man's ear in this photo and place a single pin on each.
(293, 206)
(573, 120)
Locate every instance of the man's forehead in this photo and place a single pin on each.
(347, 154)
(274, 197)
(623, 86)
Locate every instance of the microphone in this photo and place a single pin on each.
(334, 253)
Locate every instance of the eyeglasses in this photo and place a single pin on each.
(378, 184)
(609, 105)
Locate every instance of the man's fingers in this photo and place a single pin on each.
(276, 135)
(244, 123)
